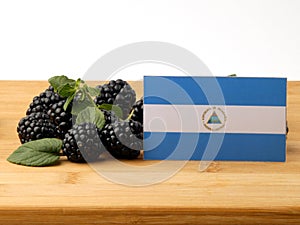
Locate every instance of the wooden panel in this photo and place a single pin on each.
(69, 193)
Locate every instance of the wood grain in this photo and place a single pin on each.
(68, 193)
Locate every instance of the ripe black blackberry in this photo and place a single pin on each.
(109, 117)
(119, 93)
(61, 119)
(123, 139)
(43, 101)
(137, 111)
(82, 143)
(35, 126)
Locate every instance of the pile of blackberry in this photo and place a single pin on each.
(121, 137)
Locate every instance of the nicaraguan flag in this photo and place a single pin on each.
(214, 118)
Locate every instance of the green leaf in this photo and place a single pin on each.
(45, 145)
(79, 106)
(57, 82)
(66, 90)
(90, 90)
(68, 101)
(83, 96)
(64, 86)
(78, 82)
(232, 75)
(110, 107)
(91, 115)
(93, 91)
(81, 102)
(43, 152)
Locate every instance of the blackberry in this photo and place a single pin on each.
(35, 126)
(137, 111)
(43, 101)
(123, 139)
(61, 118)
(119, 93)
(109, 117)
(137, 129)
(82, 143)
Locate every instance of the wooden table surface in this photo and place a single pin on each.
(69, 193)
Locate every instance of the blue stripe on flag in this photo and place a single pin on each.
(250, 147)
(236, 91)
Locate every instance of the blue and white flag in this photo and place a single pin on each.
(214, 118)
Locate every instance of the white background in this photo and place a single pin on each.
(39, 39)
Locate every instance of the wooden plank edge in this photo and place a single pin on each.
(82, 216)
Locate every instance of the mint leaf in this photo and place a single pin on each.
(90, 90)
(64, 86)
(78, 106)
(81, 101)
(52, 145)
(68, 101)
(57, 82)
(93, 91)
(78, 82)
(41, 152)
(82, 96)
(110, 107)
(29, 157)
(91, 115)
(67, 90)
(232, 75)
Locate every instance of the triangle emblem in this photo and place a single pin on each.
(214, 119)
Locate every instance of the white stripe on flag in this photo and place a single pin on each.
(228, 119)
